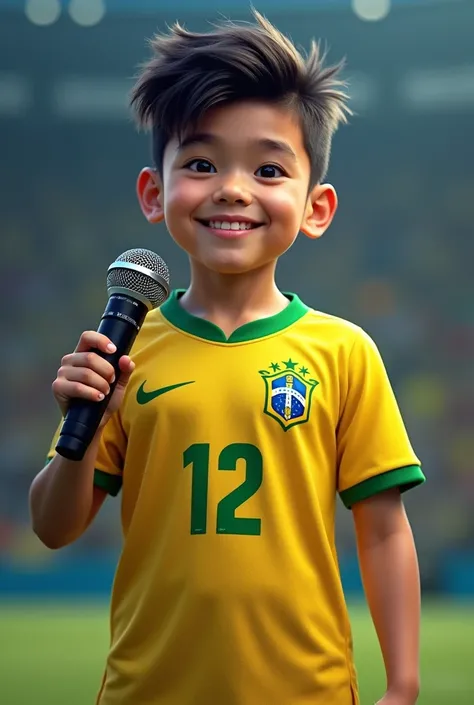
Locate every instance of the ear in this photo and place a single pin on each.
(150, 195)
(320, 210)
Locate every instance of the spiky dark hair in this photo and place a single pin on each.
(191, 73)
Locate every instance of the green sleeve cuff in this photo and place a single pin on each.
(110, 483)
(404, 478)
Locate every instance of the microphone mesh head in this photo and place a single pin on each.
(152, 286)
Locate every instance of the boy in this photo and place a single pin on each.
(227, 591)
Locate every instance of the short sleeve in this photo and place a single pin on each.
(373, 448)
(110, 457)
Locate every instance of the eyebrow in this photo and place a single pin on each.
(276, 146)
(266, 143)
(197, 138)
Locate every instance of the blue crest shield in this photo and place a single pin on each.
(288, 397)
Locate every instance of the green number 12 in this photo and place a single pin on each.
(197, 455)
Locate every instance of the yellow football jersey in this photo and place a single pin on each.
(230, 454)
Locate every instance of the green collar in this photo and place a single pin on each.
(201, 328)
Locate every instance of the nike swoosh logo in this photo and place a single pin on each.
(144, 397)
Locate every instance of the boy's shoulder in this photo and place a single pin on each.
(318, 317)
(336, 329)
(344, 345)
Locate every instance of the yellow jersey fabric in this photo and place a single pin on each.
(230, 454)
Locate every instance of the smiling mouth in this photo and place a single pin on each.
(227, 225)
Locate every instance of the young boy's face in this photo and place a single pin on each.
(234, 193)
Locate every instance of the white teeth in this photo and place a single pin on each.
(226, 225)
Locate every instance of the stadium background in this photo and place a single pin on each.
(398, 260)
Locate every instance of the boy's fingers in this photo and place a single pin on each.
(67, 390)
(126, 368)
(89, 360)
(126, 364)
(86, 376)
(90, 339)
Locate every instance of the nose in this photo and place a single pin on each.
(233, 190)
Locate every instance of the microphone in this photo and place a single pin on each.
(137, 282)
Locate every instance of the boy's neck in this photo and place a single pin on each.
(231, 300)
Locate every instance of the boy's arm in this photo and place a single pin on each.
(390, 575)
(64, 500)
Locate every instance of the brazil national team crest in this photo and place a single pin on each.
(288, 390)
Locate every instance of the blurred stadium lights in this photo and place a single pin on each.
(365, 9)
(43, 12)
(371, 10)
(91, 98)
(87, 13)
(440, 89)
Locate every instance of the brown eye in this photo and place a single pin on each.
(269, 171)
(202, 166)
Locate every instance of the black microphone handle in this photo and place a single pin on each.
(121, 321)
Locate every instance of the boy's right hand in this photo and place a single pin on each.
(85, 375)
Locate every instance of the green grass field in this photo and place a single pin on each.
(55, 655)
